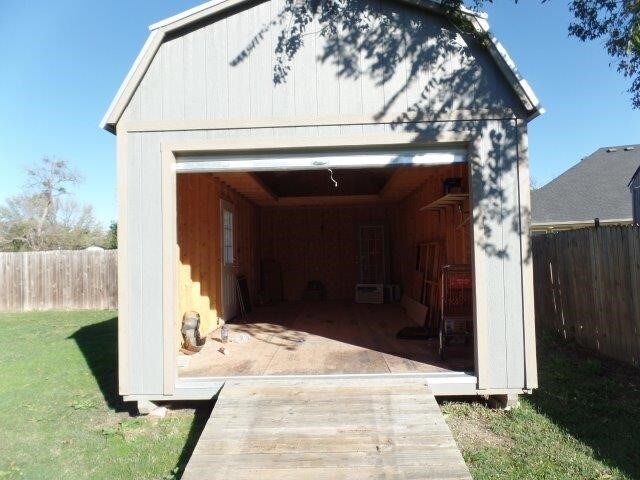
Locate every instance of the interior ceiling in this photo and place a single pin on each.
(318, 182)
(314, 187)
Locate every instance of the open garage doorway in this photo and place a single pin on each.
(334, 262)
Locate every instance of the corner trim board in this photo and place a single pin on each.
(169, 278)
(124, 317)
(526, 261)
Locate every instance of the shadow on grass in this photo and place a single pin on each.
(593, 399)
(201, 415)
(98, 343)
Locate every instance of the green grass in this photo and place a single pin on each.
(582, 423)
(60, 415)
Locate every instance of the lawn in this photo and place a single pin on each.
(582, 423)
(60, 415)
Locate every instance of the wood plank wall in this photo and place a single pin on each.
(319, 243)
(198, 206)
(58, 280)
(309, 243)
(587, 288)
(447, 226)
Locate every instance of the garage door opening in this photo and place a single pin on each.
(336, 262)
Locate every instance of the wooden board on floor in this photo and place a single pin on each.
(326, 429)
(416, 311)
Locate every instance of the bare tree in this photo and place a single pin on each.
(42, 218)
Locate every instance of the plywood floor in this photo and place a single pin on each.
(335, 429)
(323, 338)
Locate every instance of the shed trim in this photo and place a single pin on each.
(316, 160)
(528, 303)
(171, 153)
(124, 317)
(462, 115)
(161, 29)
(481, 340)
(442, 141)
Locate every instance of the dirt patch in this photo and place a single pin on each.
(472, 432)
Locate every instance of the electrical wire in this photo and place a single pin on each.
(335, 183)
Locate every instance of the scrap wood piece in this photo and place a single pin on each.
(414, 310)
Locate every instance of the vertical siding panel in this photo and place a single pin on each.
(514, 326)
(173, 80)
(328, 87)
(372, 91)
(304, 74)
(239, 34)
(489, 285)
(261, 66)
(497, 257)
(132, 113)
(350, 86)
(195, 75)
(395, 94)
(217, 66)
(150, 90)
(283, 94)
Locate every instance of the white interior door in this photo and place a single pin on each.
(228, 280)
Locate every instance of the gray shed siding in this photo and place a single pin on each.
(224, 70)
(191, 78)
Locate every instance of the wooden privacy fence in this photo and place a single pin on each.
(61, 279)
(587, 288)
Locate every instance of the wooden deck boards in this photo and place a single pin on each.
(383, 428)
(323, 338)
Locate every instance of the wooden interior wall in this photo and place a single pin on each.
(198, 207)
(319, 243)
(449, 226)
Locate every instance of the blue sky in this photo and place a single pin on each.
(63, 62)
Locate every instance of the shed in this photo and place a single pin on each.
(323, 156)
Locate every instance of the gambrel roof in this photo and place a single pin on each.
(160, 31)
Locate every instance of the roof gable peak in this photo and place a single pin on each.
(160, 30)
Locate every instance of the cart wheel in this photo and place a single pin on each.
(441, 341)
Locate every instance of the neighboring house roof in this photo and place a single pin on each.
(160, 30)
(596, 187)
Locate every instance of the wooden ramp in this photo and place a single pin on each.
(321, 429)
